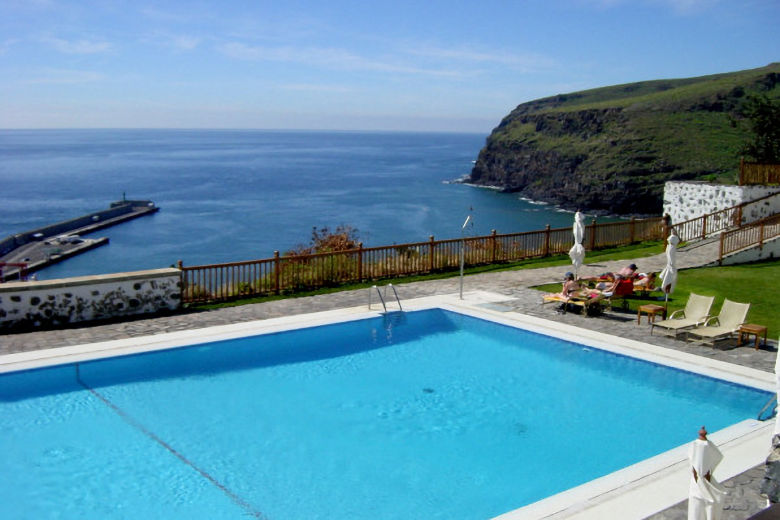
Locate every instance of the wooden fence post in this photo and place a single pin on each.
(493, 246)
(739, 215)
(182, 281)
(704, 228)
(761, 236)
(720, 250)
(547, 240)
(632, 227)
(277, 266)
(431, 250)
(360, 262)
(592, 235)
(741, 171)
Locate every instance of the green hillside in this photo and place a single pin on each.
(611, 149)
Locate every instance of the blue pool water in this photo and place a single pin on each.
(425, 415)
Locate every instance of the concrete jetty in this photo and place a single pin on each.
(29, 251)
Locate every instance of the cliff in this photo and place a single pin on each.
(612, 149)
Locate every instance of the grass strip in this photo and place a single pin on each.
(745, 283)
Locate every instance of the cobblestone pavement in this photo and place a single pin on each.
(743, 501)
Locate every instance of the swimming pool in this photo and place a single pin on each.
(427, 414)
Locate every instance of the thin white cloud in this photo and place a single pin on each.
(63, 77)
(324, 57)
(184, 42)
(77, 46)
(177, 42)
(309, 87)
(7, 44)
(527, 62)
(679, 6)
(166, 16)
(689, 6)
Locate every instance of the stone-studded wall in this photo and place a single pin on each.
(770, 249)
(56, 302)
(687, 200)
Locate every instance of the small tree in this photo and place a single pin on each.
(763, 119)
(323, 240)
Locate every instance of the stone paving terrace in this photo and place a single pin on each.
(743, 500)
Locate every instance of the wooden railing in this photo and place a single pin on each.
(758, 173)
(707, 225)
(288, 274)
(700, 228)
(748, 236)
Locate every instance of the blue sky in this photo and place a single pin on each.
(424, 65)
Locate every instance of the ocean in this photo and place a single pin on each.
(232, 195)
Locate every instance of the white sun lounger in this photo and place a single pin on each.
(731, 316)
(696, 312)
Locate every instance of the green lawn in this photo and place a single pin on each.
(748, 283)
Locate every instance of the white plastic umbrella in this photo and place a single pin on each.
(705, 494)
(577, 252)
(669, 273)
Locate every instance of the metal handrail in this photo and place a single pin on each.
(382, 300)
(772, 399)
(397, 299)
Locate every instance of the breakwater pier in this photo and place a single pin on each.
(26, 252)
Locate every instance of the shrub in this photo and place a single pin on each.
(323, 240)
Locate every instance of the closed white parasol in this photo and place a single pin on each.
(577, 252)
(705, 494)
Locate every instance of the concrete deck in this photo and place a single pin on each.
(744, 499)
(40, 253)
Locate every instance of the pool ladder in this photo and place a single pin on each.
(382, 298)
(771, 403)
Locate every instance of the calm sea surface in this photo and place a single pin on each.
(238, 195)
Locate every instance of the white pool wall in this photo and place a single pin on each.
(631, 493)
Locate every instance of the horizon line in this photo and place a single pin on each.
(239, 129)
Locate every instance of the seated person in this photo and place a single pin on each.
(574, 289)
(646, 280)
(571, 287)
(606, 287)
(627, 272)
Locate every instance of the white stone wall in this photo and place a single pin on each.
(770, 249)
(688, 200)
(85, 298)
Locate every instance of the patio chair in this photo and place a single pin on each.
(731, 316)
(696, 312)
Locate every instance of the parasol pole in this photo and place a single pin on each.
(463, 251)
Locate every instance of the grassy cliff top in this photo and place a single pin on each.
(613, 148)
(663, 93)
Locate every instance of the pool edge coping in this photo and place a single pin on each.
(653, 475)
